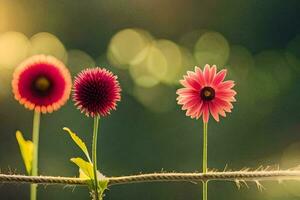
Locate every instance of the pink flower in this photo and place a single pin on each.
(96, 92)
(42, 83)
(205, 92)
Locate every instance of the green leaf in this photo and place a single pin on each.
(26, 148)
(85, 168)
(103, 185)
(79, 142)
(82, 175)
(90, 182)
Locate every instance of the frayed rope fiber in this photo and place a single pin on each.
(161, 177)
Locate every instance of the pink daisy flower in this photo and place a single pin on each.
(205, 92)
(96, 92)
(42, 83)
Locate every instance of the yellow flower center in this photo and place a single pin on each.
(42, 85)
(207, 93)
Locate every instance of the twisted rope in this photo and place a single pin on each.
(161, 177)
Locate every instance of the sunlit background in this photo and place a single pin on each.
(150, 45)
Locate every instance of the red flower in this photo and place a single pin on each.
(96, 92)
(206, 92)
(42, 83)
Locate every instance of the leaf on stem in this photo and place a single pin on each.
(85, 168)
(79, 142)
(102, 186)
(26, 148)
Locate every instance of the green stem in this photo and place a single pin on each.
(35, 140)
(204, 160)
(94, 155)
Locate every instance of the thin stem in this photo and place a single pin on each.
(94, 155)
(35, 140)
(204, 189)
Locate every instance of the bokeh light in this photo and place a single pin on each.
(5, 83)
(240, 62)
(189, 39)
(150, 45)
(128, 46)
(79, 60)
(49, 44)
(157, 99)
(211, 48)
(141, 75)
(165, 61)
(188, 63)
(14, 47)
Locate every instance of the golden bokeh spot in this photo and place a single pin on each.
(240, 62)
(79, 60)
(156, 99)
(141, 75)
(14, 47)
(211, 48)
(165, 61)
(128, 46)
(49, 44)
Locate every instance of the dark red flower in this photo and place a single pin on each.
(96, 92)
(42, 83)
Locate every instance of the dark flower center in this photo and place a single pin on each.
(42, 85)
(207, 93)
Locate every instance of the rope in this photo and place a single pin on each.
(160, 177)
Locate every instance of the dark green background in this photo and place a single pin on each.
(135, 139)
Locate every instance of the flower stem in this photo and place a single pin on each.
(204, 191)
(35, 140)
(94, 156)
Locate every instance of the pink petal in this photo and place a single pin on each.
(205, 113)
(219, 77)
(193, 83)
(212, 74)
(225, 85)
(222, 113)
(206, 74)
(226, 95)
(193, 110)
(229, 99)
(184, 83)
(200, 76)
(223, 104)
(189, 104)
(214, 111)
(199, 113)
(185, 91)
(187, 96)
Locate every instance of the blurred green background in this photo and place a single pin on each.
(150, 45)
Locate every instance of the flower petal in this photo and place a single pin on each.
(212, 74)
(205, 113)
(225, 85)
(200, 76)
(219, 77)
(192, 82)
(214, 111)
(206, 74)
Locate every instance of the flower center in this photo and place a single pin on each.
(207, 93)
(42, 85)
